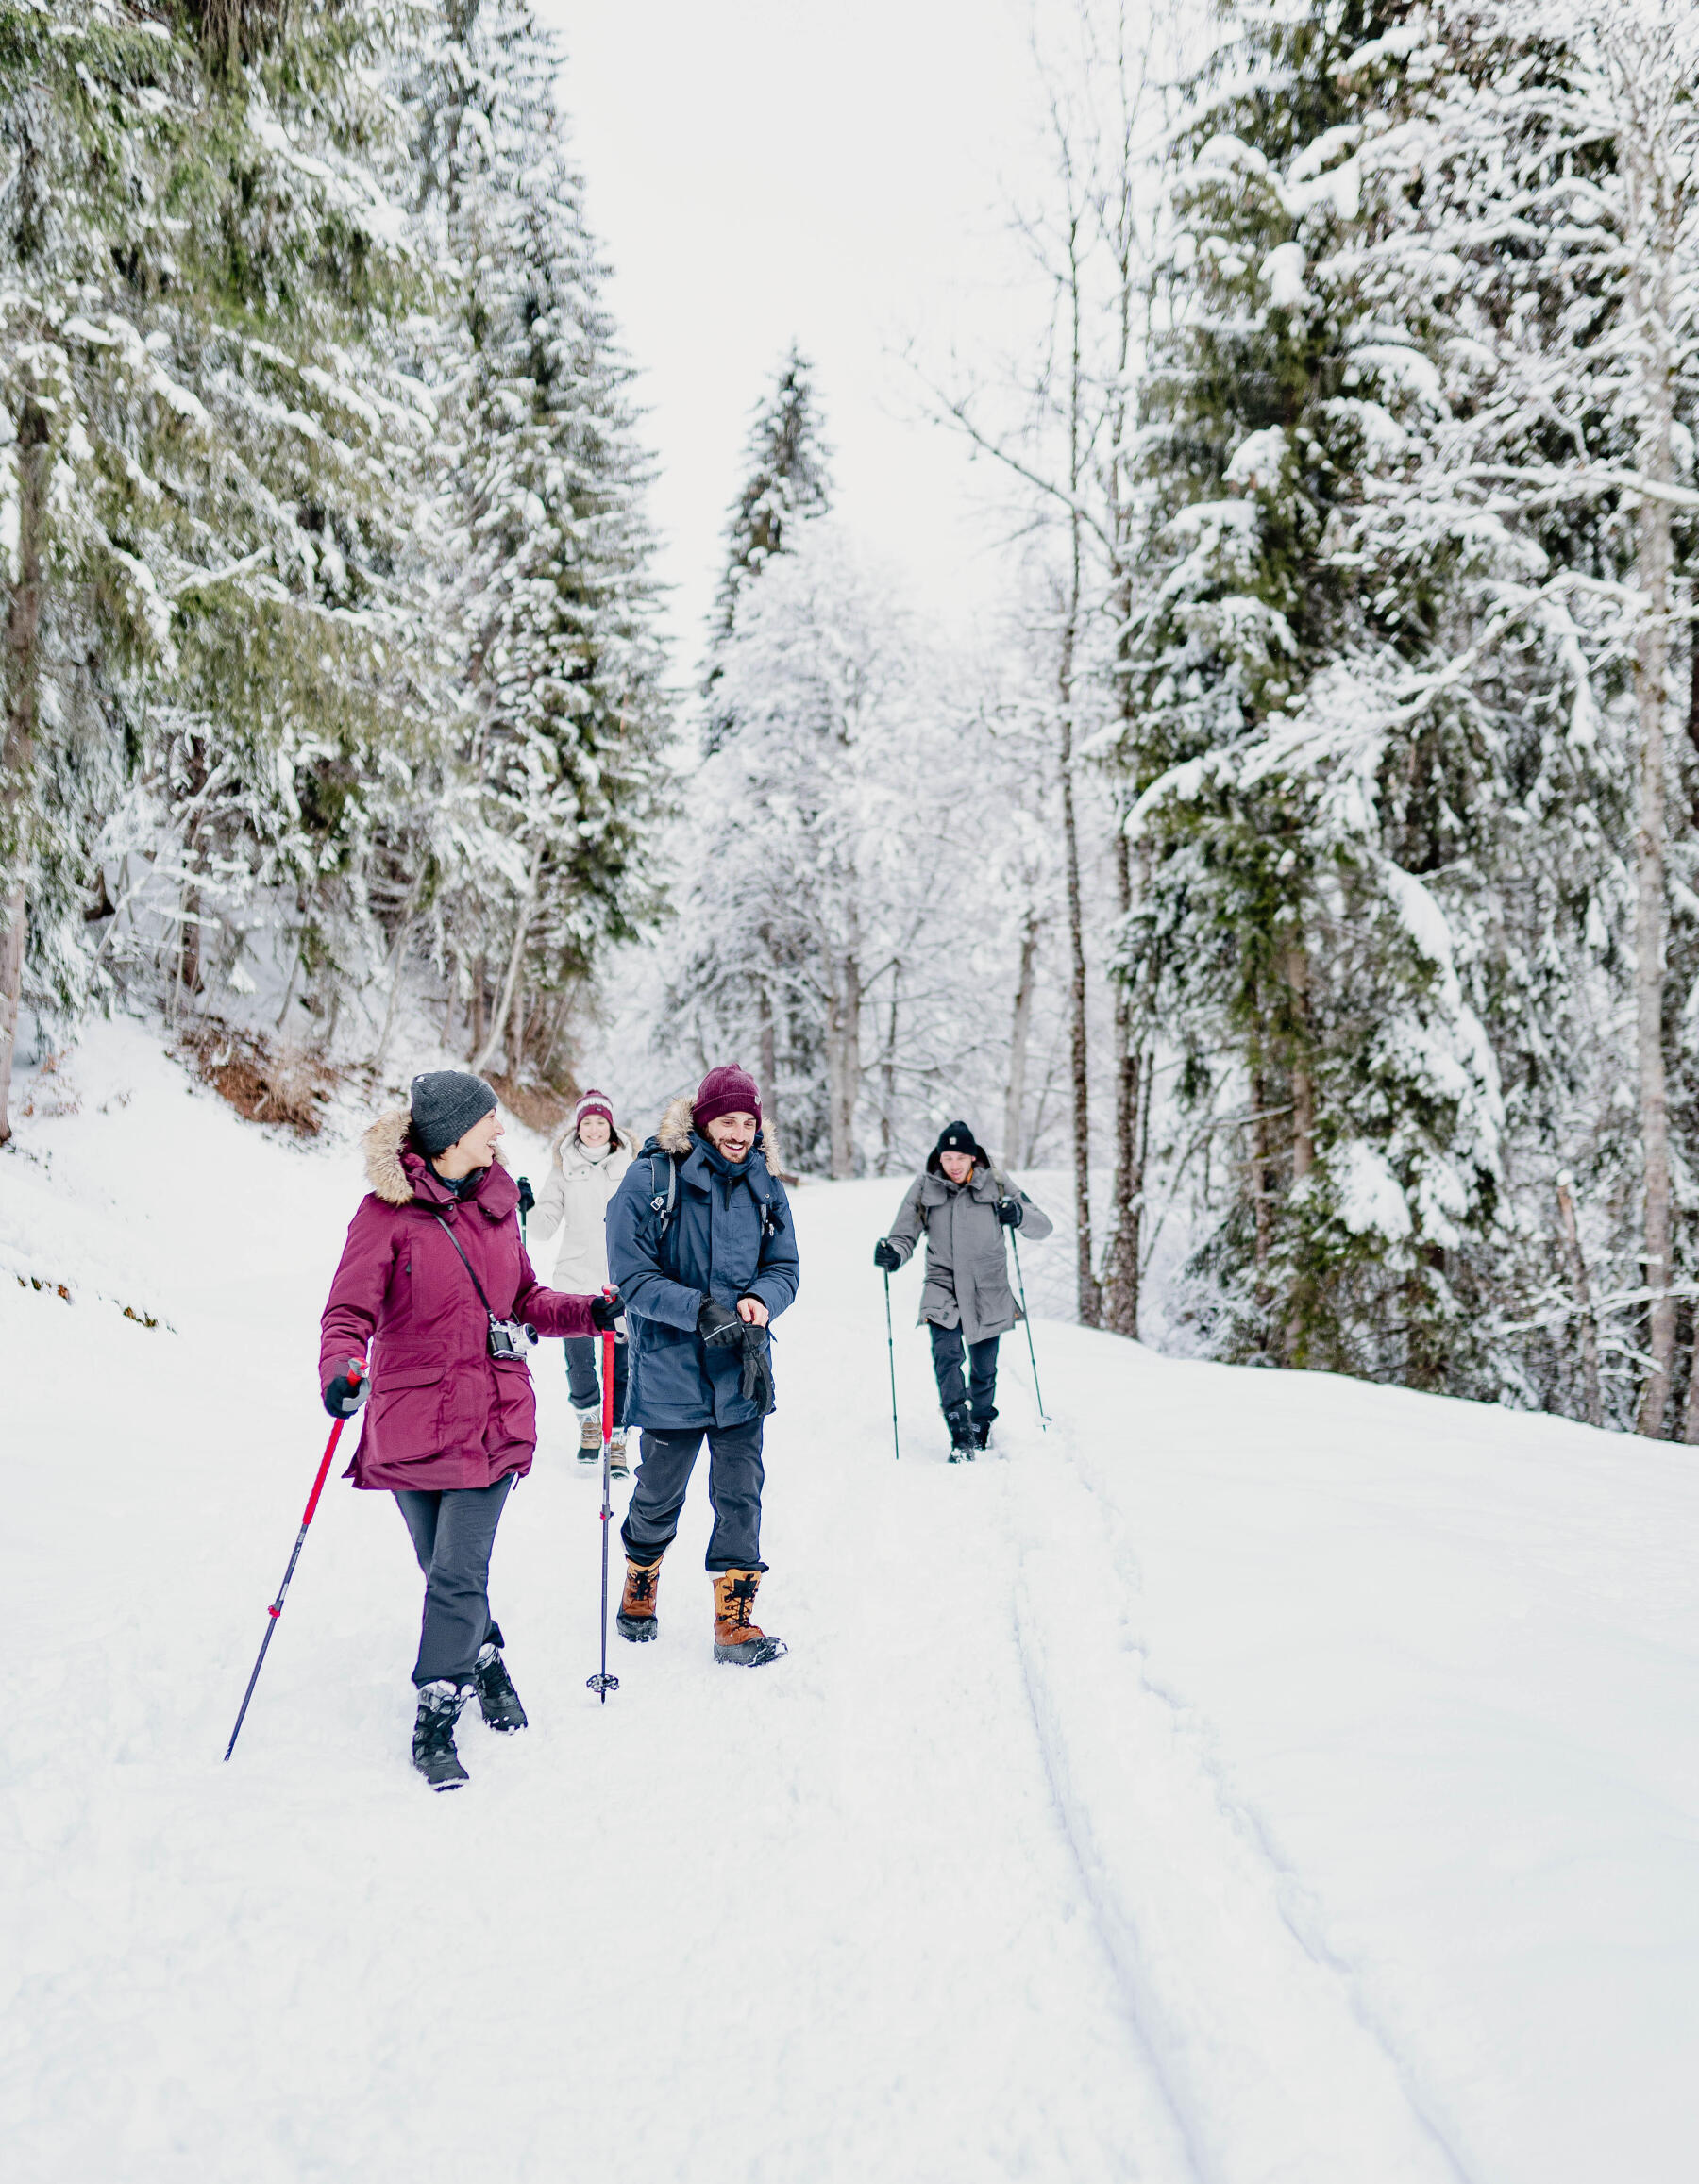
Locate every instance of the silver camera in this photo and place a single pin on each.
(508, 1339)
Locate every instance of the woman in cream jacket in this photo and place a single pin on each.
(590, 1158)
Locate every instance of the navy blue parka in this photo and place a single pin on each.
(730, 1237)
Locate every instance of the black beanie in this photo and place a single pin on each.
(446, 1105)
(956, 1137)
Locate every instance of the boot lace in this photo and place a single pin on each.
(740, 1603)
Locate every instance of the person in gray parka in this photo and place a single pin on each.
(964, 1205)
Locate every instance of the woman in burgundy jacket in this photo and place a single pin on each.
(435, 1289)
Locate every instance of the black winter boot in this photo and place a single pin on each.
(638, 1616)
(496, 1698)
(960, 1433)
(981, 1432)
(434, 1752)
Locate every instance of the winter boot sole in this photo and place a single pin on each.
(638, 1628)
(756, 1655)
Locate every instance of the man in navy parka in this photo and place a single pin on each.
(701, 1249)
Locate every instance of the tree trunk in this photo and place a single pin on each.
(498, 1015)
(1303, 1083)
(477, 1009)
(1020, 1030)
(516, 1034)
(1121, 1261)
(888, 1087)
(769, 1056)
(1586, 1324)
(17, 754)
(843, 1063)
(188, 951)
(1261, 1201)
(1651, 692)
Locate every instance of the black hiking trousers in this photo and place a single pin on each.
(736, 1477)
(980, 1387)
(453, 1531)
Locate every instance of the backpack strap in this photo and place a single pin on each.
(663, 1203)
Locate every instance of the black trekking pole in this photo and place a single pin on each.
(601, 1684)
(356, 1373)
(1020, 1279)
(891, 1353)
(526, 1203)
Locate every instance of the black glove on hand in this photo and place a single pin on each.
(344, 1397)
(527, 1197)
(715, 1323)
(756, 1376)
(605, 1314)
(886, 1257)
(1009, 1212)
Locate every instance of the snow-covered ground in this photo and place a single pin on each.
(1258, 1777)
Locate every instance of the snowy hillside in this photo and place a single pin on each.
(1257, 1777)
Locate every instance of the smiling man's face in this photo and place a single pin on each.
(732, 1136)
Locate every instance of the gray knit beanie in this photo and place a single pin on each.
(446, 1105)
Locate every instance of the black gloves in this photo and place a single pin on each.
(715, 1323)
(347, 1392)
(886, 1257)
(1009, 1212)
(756, 1377)
(527, 1195)
(606, 1314)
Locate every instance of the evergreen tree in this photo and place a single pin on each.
(1307, 787)
(195, 241)
(553, 596)
(789, 479)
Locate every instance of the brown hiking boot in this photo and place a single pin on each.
(637, 1617)
(736, 1635)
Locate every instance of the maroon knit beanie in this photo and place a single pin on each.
(593, 1103)
(727, 1090)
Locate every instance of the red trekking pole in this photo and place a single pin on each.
(356, 1374)
(601, 1684)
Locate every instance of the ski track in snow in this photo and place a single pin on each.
(1258, 2040)
(1164, 1799)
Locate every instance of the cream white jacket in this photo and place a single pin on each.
(575, 1201)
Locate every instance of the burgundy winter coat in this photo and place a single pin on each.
(442, 1411)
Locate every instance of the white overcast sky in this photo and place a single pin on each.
(759, 170)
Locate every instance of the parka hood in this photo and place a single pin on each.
(388, 1149)
(673, 1132)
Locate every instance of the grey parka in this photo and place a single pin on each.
(966, 1265)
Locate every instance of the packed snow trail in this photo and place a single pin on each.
(1257, 1778)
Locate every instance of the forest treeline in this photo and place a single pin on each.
(329, 628)
(1309, 848)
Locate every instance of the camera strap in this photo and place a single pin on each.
(467, 1264)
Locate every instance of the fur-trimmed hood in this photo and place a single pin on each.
(674, 1131)
(388, 1149)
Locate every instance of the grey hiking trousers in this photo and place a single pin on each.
(453, 1532)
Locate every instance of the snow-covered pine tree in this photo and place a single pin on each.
(829, 847)
(1557, 150)
(554, 600)
(788, 480)
(194, 239)
(1308, 793)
